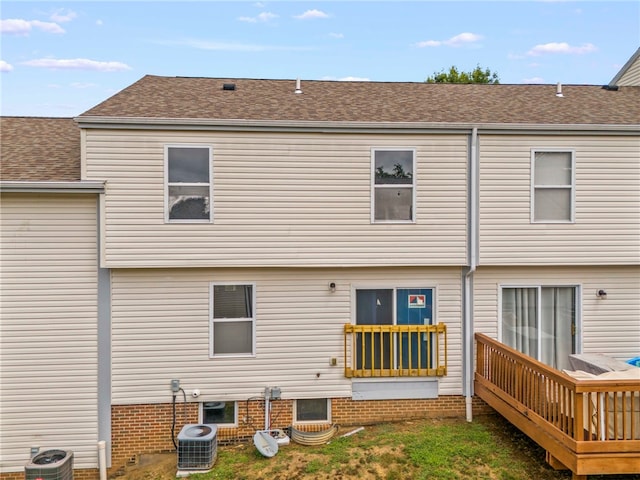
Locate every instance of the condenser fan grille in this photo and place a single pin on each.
(197, 447)
(50, 465)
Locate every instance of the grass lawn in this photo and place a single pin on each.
(487, 448)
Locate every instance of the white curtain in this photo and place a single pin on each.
(557, 318)
(546, 334)
(519, 319)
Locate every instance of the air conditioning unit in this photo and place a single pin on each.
(50, 465)
(197, 446)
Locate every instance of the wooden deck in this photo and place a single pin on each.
(591, 427)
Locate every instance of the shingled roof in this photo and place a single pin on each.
(39, 149)
(332, 101)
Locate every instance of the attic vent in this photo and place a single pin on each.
(298, 90)
(559, 90)
(228, 86)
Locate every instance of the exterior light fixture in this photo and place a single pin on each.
(602, 294)
(332, 286)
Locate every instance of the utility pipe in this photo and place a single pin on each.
(267, 409)
(102, 459)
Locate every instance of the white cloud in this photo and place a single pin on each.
(61, 17)
(99, 23)
(561, 47)
(346, 79)
(48, 27)
(336, 35)
(536, 80)
(261, 17)
(18, 26)
(77, 64)
(229, 47)
(310, 14)
(459, 40)
(354, 79)
(5, 67)
(83, 85)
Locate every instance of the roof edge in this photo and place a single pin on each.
(85, 186)
(137, 123)
(625, 67)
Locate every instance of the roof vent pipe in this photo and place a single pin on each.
(559, 90)
(298, 89)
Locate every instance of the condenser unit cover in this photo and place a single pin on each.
(197, 446)
(50, 465)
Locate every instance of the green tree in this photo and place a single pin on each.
(477, 75)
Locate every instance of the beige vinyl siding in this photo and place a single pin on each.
(279, 199)
(160, 330)
(48, 292)
(607, 203)
(632, 76)
(610, 326)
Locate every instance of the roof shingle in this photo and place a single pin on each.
(332, 101)
(39, 149)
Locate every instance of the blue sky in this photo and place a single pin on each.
(61, 58)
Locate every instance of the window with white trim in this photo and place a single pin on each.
(232, 319)
(188, 186)
(313, 410)
(220, 413)
(393, 185)
(553, 185)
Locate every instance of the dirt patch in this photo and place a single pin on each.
(363, 458)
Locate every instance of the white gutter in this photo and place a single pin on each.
(468, 278)
(234, 124)
(52, 187)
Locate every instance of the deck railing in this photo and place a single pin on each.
(590, 426)
(395, 350)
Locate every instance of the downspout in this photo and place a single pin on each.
(468, 278)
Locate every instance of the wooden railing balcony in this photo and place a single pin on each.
(590, 427)
(395, 350)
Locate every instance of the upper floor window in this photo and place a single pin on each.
(552, 186)
(232, 319)
(393, 181)
(188, 184)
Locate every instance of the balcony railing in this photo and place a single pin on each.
(587, 426)
(395, 350)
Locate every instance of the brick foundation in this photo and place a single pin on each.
(138, 429)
